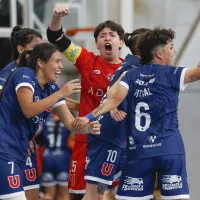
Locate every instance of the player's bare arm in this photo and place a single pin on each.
(114, 87)
(59, 11)
(116, 114)
(31, 108)
(73, 105)
(106, 106)
(67, 118)
(192, 74)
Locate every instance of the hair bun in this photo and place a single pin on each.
(15, 31)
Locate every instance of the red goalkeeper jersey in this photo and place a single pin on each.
(95, 77)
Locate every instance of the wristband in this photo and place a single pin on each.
(90, 116)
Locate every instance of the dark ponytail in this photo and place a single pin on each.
(22, 36)
(25, 60)
(131, 39)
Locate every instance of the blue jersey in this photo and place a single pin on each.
(15, 129)
(55, 141)
(112, 131)
(153, 92)
(6, 71)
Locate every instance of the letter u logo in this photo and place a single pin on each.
(107, 169)
(31, 174)
(14, 181)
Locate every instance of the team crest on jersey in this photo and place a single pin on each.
(131, 142)
(109, 77)
(133, 184)
(171, 182)
(37, 98)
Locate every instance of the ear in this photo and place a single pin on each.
(20, 49)
(40, 63)
(97, 44)
(121, 44)
(158, 54)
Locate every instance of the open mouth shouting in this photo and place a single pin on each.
(108, 47)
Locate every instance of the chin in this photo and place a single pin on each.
(53, 80)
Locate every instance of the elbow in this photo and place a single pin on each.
(28, 115)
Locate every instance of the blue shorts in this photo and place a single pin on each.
(11, 173)
(138, 178)
(31, 179)
(55, 168)
(104, 160)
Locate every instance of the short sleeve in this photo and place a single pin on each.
(24, 77)
(53, 87)
(176, 77)
(126, 79)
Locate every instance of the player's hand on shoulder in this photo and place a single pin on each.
(70, 87)
(117, 115)
(95, 127)
(61, 10)
(79, 122)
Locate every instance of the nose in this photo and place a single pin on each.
(107, 37)
(61, 66)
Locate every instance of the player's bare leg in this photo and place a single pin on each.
(32, 194)
(49, 193)
(91, 192)
(63, 193)
(109, 194)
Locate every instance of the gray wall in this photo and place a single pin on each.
(190, 128)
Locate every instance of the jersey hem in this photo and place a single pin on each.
(77, 191)
(15, 194)
(134, 198)
(31, 187)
